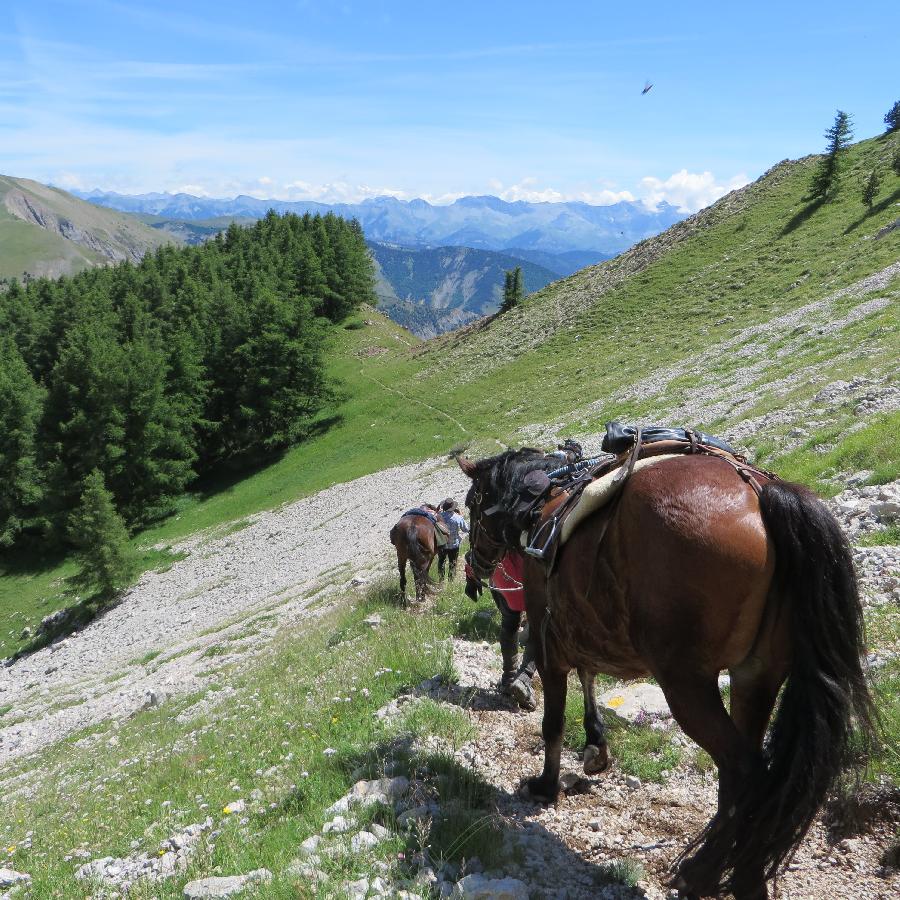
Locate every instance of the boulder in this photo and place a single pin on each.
(637, 702)
(9, 878)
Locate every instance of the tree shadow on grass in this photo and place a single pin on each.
(65, 621)
(877, 208)
(226, 474)
(799, 218)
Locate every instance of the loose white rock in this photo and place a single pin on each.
(479, 887)
(225, 886)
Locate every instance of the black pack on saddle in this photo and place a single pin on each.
(620, 438)
(425, 513)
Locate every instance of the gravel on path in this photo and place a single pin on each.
(284, 558)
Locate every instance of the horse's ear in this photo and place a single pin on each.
(468, 466)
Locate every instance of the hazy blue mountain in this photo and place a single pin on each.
(561, 264)
(487, 223)
(430, 291)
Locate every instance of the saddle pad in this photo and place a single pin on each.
(600, 492)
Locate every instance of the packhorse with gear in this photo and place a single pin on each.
(416, 537)
(674, 557)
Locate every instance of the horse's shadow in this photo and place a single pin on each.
(472, 825)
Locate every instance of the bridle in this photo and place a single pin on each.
(481, 542)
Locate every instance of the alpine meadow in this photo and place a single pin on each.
(300, 298)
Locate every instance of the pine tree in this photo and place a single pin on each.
(21, 405)
(518, 285)
(892, 118)
(870, 188)
(507, 302)
(827, 177)
(513, 289)
(101, 540)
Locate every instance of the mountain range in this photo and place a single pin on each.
(484, 223)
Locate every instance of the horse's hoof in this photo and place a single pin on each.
(537, 791)
(596, 759)
(684, 890)
(523, 693)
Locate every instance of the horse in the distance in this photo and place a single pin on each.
(696, 568)
(415, 539)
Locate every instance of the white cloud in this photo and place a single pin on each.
(195, 190)
(69, 181)
(603, 197)
(689, 191)
(335, 192)
(528, 189)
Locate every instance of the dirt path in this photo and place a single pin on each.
(391, 390)
(612, 820)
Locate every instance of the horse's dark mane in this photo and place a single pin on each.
(506, 471)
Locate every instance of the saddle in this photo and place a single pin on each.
(442, 533)
(552, 504)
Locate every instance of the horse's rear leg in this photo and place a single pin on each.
(545, 788)
(401, 565)
(421, 579)
(697, 705)
(754, 689)
(596, 753)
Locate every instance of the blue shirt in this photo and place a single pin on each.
(457, 527)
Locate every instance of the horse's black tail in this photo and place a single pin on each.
(417, 558)
(825, 720)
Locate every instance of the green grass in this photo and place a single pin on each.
(305, 694)
(883, 537)
(886, 689)
(872, 448)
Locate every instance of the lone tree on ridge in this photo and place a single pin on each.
(892, 117)
(513, 289)
(825, 181)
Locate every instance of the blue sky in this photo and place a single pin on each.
(527, 100)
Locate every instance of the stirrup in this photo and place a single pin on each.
(540, 552)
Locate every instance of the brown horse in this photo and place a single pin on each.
(696, 573)
(415, 540)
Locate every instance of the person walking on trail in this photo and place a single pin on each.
(508, 594)
(456, 526)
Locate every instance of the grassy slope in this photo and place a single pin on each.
(27, 247)
(572, 350)
(316, 687)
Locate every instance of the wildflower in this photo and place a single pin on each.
(334, 720)
(329, 751)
